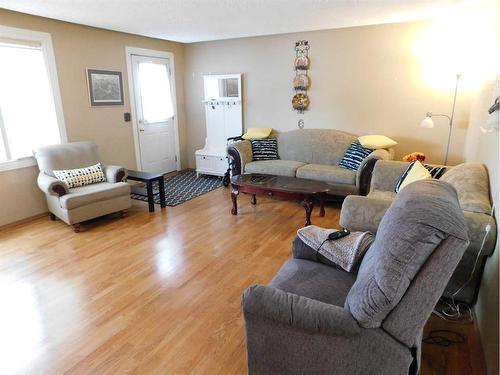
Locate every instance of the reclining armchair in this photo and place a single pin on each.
(314, 318)
(79, 204)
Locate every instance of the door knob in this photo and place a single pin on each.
(141, 130)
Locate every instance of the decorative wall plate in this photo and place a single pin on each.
(301, 62)
(301, 82)
(300, 101)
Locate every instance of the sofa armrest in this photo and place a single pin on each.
(115, 173)
(386, 174)
(476, 225)
(51, 185)
(299, 312)
(362, 213)
(365, 170)
(241, 153)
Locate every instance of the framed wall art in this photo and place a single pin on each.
(105, 87)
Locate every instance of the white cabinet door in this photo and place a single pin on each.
(232, 120)
(215, 126)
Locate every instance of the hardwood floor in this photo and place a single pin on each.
(153, 293)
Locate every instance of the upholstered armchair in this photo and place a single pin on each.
(314, 318)
(82, 203)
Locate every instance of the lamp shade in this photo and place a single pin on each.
(427, 123)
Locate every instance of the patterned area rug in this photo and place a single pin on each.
(180, 188)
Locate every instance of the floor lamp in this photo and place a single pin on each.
(429, 123)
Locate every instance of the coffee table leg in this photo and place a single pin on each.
(253, 199)
(161, 186)
(151, 203)
(234, 197)
(322, 199)
(308, 205)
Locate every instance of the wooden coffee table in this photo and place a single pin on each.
(289, 188)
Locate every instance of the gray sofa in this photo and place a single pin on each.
(313, 154)
(79, 204)
(471, 182)
(317, 319)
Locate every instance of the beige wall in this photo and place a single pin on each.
(484, 147)
(76, 48)
(365, 80)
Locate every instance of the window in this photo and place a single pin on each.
(30, 112)
(156, 97)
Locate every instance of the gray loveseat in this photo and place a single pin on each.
(471, 182)
(317, 319)
(313, 154)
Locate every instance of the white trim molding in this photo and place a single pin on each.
(129, 51)
(45, 41)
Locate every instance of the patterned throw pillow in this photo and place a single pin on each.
(354, 156)
(414, 172)
(265, 149)
(436, 172)
(81, 176)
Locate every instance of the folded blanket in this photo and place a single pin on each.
(346, 252)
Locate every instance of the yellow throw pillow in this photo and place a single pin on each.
(376, 141)
(415, 172)
(257, 133)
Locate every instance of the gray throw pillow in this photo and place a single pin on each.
(421, 216)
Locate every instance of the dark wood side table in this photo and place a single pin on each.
(149, 178)
(289, 188)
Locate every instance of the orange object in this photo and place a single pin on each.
(420, 156)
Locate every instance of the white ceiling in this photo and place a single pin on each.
(201, 20)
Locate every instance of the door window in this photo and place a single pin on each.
(156, 97)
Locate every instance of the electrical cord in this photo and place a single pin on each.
(319, 248)
(444, 337)
(454, 311)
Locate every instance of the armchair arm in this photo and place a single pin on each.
(386, 174)
(115, 173)
(241, 153)
(363, 213)
(365, 170)
(302, 251)
(298, 312)
(51, 185)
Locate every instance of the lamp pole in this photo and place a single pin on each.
(450, 119)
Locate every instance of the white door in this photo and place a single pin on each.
(155, 113)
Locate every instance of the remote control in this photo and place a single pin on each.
(339, 234)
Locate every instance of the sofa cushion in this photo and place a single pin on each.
(421, 216)
(314, 280)
(264, 149)
(354, 156)
(81, 176)
(314, 146)
(327, 173)
(471, 182)
(415, 172)
(257, 133)
(376, 141)
(66, 156)
(275, 167)
(84, 195)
